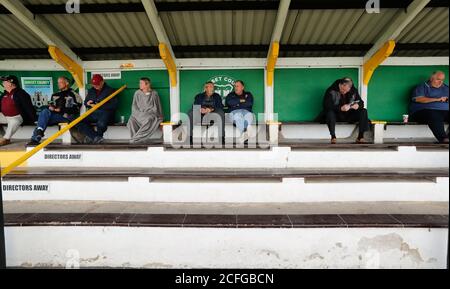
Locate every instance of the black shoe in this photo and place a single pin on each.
(40, 133)
(33, 143)
(37, 136)
(87, 140)
(98, 140)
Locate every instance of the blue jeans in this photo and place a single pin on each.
(242, 118)
(48, 118)
(100, 118)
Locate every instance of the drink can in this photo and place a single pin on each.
(405, 118)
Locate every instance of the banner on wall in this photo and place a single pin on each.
(40, 89)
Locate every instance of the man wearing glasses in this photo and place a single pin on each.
(429, 105)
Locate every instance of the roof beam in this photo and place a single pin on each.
(39, 26)
(57, 47)
(165, 49)
(167, 56)
(396, 27)
(217, 6)
(6, 52)
(276, 37)
(155, 20)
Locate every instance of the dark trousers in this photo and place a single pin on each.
(435, 119)
(48, 118)
(351, 116)
(220, 112)
(101, 120)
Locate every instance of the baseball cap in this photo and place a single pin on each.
(10, 78)
(96, 79)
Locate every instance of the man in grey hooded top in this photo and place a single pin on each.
(146, 113)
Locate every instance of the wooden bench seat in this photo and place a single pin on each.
(227, 221)
(123, 145)
(195, 173)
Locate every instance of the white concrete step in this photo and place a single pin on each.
(227, 186)
(307, 156)
(226, 241)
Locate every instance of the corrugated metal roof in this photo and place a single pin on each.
(14, 34)
(335, 26)
(104, 30)
(430, 26)
(236, 27)
(219, 27)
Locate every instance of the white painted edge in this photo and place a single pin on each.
(219, 63)
(413, 61)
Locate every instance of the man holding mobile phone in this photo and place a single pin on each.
(101, 117)
(343, 103)
(429, 105)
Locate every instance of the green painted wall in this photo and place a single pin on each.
(299, 92)
(192, 81)
(160, 82)
(391, 87)
(159, 78)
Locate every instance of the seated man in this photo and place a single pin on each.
(205, 103)
(430, 105)
(101, 117)
(240, 105)
(64, 107)
(16, 108)
(342, 103)
(146, 113)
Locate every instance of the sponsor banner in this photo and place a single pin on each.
(40, 89)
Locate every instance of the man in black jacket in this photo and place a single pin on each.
(206, 103)
(16, 108)
(64, 107)
(101, 117)
(343, 103)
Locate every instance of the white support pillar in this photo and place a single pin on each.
(363, 88)
(175, 101)
(272, 56)
(268, 100)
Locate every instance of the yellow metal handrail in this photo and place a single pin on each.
(29, 154)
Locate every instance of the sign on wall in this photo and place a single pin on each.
(39, 88)
(110, 74)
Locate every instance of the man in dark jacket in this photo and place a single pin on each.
(206, 103)
(240, 105)
(343, 103)
(101, 117)
(64, 107)
(16, 108)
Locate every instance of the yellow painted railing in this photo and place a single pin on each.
(378, 58)
(271, 62)
(168, 60)
(70, 65)
(48, 141)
